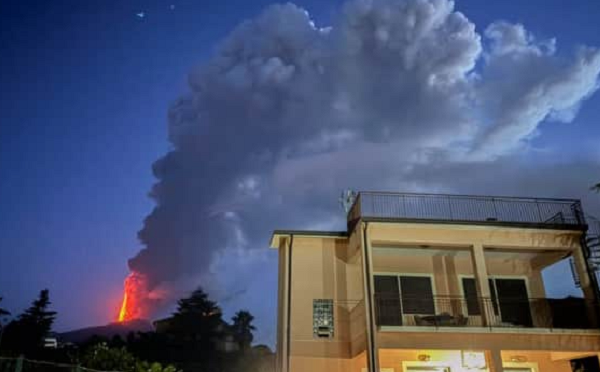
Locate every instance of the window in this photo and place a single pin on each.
(323, 318)
(398, 295)
(470, 293)
(387, 300)
(417, 295)
(509, 300)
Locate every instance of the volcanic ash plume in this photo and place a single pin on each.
(286, 114)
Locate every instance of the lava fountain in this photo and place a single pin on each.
(135, 298)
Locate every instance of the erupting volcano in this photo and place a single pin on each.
(135, 298)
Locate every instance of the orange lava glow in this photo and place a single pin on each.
(135, 298)
(123, 308)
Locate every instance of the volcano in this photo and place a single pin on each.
(110, 330)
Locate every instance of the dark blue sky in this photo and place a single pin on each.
(84, 91)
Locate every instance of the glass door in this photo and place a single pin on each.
(513, 301)
(387, 297)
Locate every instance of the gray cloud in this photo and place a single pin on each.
(395, 95)
(524, 83)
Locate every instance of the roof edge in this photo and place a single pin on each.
(313, 233)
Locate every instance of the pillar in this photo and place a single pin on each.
(482, 283)
(494, 360)
(586, 287)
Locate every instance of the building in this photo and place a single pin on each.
(446, 283)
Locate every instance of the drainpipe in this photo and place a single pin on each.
(289, 304)
(371, 342)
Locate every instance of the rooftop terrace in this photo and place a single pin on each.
(492, 210)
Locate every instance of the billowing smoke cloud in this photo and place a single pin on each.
(286, 114)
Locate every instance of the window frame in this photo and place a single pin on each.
(496, 305)
(431, 277)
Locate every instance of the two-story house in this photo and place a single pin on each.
(447, 283)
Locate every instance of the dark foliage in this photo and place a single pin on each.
(26, 334)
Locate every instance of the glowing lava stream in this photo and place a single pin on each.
(135, 298)
(123, 311)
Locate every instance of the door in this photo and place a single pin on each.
(514, 302)
(387, 298)
(417, 295)
(588, 364)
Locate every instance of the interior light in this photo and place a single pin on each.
(473, 359)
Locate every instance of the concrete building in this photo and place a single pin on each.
(447, 283)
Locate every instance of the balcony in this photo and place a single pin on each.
(443, 311)
(494, 210)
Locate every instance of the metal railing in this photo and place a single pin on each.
(467, 208)
(21, 364)
(443, 311)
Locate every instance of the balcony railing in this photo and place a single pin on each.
(467, 209)
(569, 313)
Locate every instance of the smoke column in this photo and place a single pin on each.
(286, 113)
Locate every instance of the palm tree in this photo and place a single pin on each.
(242, 328)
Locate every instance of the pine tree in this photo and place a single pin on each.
(38, 315)
(26, 333)
(197, 322)
(242, 328)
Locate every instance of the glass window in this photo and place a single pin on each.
(417, 295)
(470, 293)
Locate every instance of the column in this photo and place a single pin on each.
(582, 272)
(586, 286)
(494, 360)
(482, 283)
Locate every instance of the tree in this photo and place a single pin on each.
(195, 328)
(38, 315)
(26, 334)
(242, 328)
(102, 357)
(3, 312)
(596, 187)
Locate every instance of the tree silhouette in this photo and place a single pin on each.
(26, 333)
(242, 328)
(38, 314)
(196, 326)
(596, 187)
(3, 312)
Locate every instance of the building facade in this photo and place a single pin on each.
(447, 283)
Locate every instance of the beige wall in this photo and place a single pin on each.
(326, 268)
(468, 340)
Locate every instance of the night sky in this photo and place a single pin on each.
(85, 90)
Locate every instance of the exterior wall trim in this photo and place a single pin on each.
(533, 331)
